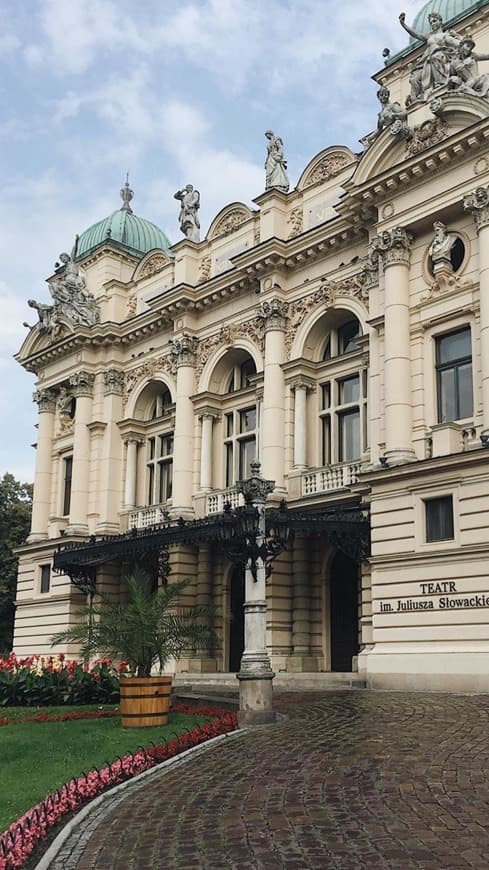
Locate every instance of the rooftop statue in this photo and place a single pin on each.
(391, 116)
(464, 72)
(276, 164)
(432, 69)
(441, 247)
(73, 304)
(189, 212)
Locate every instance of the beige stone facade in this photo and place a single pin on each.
(316, 332)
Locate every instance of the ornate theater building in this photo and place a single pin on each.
(339, 332)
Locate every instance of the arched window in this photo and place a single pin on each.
(341, 339)
(239, 419)
(239, 378)
(156, 411)
(161, 402)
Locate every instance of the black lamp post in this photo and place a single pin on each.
(247, 543)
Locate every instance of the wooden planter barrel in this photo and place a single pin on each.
(145, 701)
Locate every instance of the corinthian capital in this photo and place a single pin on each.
(478, 203)
(46, 400)
(183, 351)
(394, 246)
(274, 314)
(81, 384)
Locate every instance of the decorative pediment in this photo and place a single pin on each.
(326, 165)
(152, 263)
(229, 219)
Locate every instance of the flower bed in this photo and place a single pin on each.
(17, 843)
(48, 680)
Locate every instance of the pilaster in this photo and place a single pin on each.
(81, 387)
(184, 355)
(46, 400)
(274, 313)
(478, 204)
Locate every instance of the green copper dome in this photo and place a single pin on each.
(448, 9)
(135, 234)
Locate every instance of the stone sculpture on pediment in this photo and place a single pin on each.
(391, 117)
(276, 165)
(464, 71)
(432, 69)
(72, 305)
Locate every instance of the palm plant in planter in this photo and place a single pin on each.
(146, 630)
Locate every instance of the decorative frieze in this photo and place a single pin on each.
(478, 203)
(274, 314)
(252, 329)
(81, 384)
(393, 246)
(183, 351)
(46, 400)
(322, 298)
(113, 382)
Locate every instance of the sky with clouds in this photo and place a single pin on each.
(174, 92)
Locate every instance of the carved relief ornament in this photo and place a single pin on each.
(252, 329)
(147, 371)
(295, 221)
(230, 222)
(425, 135)
(205, 269)
(113, 382)
(154, 265)
(328, 168)
(478, 203)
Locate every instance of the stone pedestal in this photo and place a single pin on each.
(255, 700)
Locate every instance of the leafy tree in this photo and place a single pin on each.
(15, 520)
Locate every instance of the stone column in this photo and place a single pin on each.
(46, 400)
(207, 418)
(300, 387)
(204, 662)
(394, 247)
(110, 462)
(478, 204)
(133, 442)
(301, 659)
(184, 356)
(81, 386)
(274, 315)
(255, 674)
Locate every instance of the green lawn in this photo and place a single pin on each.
(36, 758)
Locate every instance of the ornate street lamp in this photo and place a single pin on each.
(246, 543)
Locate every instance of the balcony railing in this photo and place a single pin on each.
(216, 500)
(149, 516)
(330, 478)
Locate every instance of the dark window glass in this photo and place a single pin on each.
(454, 376)
(247, 420)
(229, 465)
(349, 435)
(151, 478)
(68, 473)
(349, 390)
(45, 578)
(247, 453)
(229, 425)
(326, 451)
(327, 349)
(165, 472)
(439, 519)
(347, 335)
(326, 395)
(246, 369)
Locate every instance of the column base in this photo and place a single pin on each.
(77, 529)
(301, 664)
(255, 699)
(400, 457)
(37, 537)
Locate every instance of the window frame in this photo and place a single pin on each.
(431, 502)
(66, 489)
(452, 365)
(42, 573)
(335, 409)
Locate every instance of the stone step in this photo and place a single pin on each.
(288, 682)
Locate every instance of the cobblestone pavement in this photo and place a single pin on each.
(371, 780)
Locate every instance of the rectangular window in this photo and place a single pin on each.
(439, 519)
(247, 420)
(67, 476)
(349, 435)
(454, 376)
(349, 390)
(247, 452)
(45, 578)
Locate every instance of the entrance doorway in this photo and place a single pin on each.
(344, 613)
(236, 627)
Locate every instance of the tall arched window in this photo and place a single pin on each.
(239, 418)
